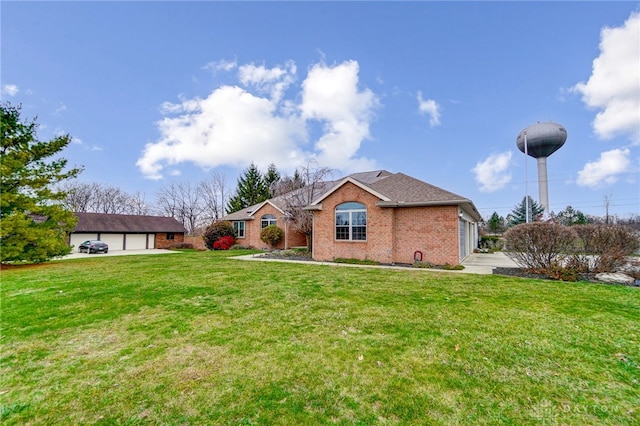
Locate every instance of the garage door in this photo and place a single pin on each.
(115, 241)
(136, 241)
(77, 239)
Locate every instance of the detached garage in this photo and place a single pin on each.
(128, 232)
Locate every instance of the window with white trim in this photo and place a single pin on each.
(238, 226)
(267, 220)
(351, 221)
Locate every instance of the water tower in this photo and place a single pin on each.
(540, 141)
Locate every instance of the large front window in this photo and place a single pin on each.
(238, 226)
(351, 221)
(268, 220)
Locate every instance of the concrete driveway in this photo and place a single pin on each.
(483, 263)
(76, 255)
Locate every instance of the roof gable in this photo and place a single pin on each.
(357, 183)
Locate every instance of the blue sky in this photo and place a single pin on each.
(162, 92)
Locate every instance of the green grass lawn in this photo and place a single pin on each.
(198, 338)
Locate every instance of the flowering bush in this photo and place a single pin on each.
(224, 243)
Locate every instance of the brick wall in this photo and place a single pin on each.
(393, 234)
(431, 230)
(253, 228)
(162, 242)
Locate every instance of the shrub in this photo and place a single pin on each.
(217, 230)
(224, 243)
(181, 246)
(271, 235)
(539, 245)
(603, 248)
(490, 242)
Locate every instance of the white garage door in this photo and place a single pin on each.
(136, 241)
(115, 241)
(77, 239)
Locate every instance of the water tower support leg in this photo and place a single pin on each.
(543, 189)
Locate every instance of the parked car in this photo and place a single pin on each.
(93, 246)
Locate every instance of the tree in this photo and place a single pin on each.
(271, 179)
(569, 217)
(251, 189)
(519, 213)
(306, 185)
(214, 197)
(496, 223)
(99, 198)
(183, 202)
(33, 222)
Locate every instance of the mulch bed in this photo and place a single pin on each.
(523, 273)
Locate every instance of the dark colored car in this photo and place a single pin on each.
(93, 246)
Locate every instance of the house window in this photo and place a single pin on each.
(268, 220)
(351, 221)
(239, 228)
(170, 236)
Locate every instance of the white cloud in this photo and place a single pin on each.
(233, 126)
(10, 89)
(614, 85)
(606, 169)
(430, 107)
(222, 65)
(273, 81)
(330, 95)
(492, 174)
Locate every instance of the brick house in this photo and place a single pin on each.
(378, 215)
(128, 232)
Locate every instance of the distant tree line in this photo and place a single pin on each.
(497, 224)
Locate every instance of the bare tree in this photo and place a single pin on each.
(79, 196)
(183, 202)
(98, 198)
(214, 197)
(298, 192)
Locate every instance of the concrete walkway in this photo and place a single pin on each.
(476, 263)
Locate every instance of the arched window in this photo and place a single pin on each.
(267, 220)
(351, 221)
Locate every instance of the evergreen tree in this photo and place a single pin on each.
(271, 179)
(251, 189)
(570, 216)
(33, 222)
(519, 213)
(496, 223)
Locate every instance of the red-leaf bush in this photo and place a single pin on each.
(224, 243)
(217, 230)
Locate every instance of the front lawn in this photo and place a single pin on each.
(198, 338)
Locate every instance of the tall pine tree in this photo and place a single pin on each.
(33, 222)
(251, 189)
(271, 179)
(519, 213)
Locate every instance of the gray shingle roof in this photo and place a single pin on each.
(398, 188)
(101, 222)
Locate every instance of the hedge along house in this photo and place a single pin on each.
(393, 218)
(128, 232)
(390, 218)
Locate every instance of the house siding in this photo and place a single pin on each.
(393, 234)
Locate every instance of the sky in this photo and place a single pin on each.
(155, 93)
